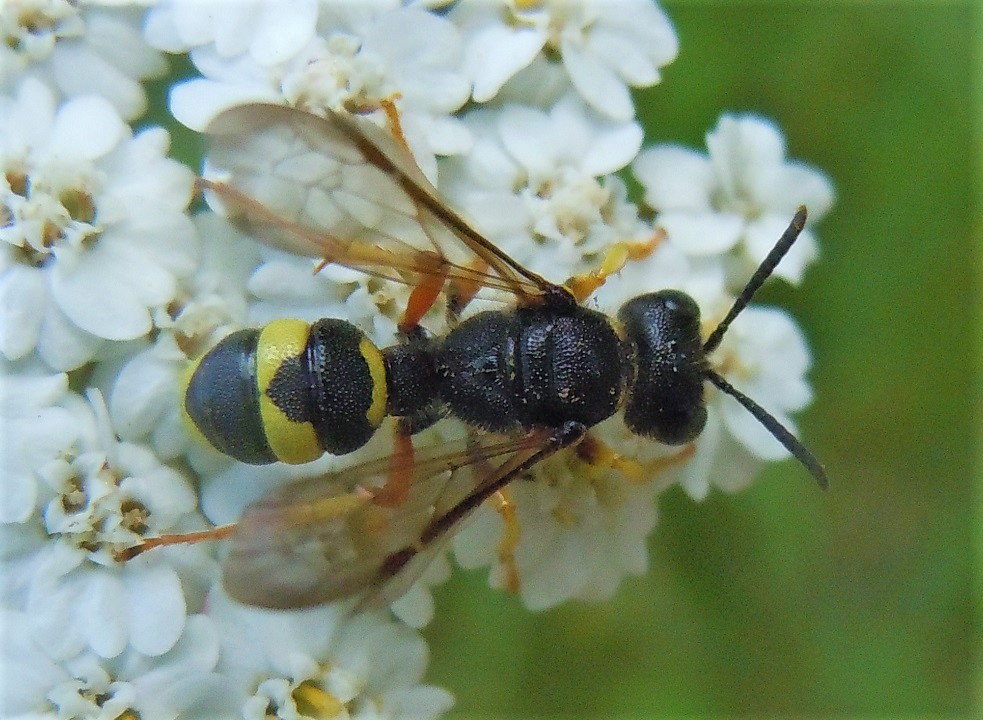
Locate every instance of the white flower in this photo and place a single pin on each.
(78, 49)
(417, 55)
(605, 45)
(763, 355)
(19, 545)
(323, 662)
(286, 286)
(533, 175)
(106, 496)
(582, 529)
(144, 395)
(342, 57)
(738, 199)
(95, 232)
(101, 264)
(416, 607)
(29, 387)
(36, 434)
(144, 402)
(179, 683)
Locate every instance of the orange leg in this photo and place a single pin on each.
(617, 256)
(422, 298)
(392, 116)
(597, 453)
(667, 462)
(463, 290)
(401, 465)
(216, 533)
(505, 506)
(510, 538)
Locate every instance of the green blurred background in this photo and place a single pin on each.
(783, 600)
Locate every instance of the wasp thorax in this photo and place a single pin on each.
(533, 367)
(666, 400)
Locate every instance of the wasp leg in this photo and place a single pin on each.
(546, 443)
(401, 466)
(461, 291)
(571, 433)
(667, 462)
(598, 454)
(549, 443)
(220, 532)
(422, 298)
(617, 256)
(505, 506)
(392, 117)
(510, 538)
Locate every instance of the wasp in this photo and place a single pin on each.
(528, 380)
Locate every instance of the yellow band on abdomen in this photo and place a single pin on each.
(279, 342)
(377, 371)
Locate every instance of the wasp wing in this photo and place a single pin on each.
(341, 188)
(326, 538)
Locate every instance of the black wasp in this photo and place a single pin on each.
(528, 381)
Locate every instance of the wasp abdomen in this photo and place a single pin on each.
(289, 392)
(220, 401)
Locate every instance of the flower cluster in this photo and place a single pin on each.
(520, 113)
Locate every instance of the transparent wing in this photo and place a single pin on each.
(326, 538)
(341, 188)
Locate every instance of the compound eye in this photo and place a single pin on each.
(679, 309)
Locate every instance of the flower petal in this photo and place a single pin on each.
(23, 291)
(26, 393)
(675, 178)
(61, 344)
(110, 290)
(598, 85)
(495, 53)
(612, 149)
(529, 137)
(155, 610)
(630, 61)
(700, 233)
(196, 102)
(284, 31)
(101, 613)
(87, 127)
(79, 72)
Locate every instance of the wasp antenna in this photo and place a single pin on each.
(787, 439)
(764, 270)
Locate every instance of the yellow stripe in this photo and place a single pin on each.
(291, 442)
(377, 371)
